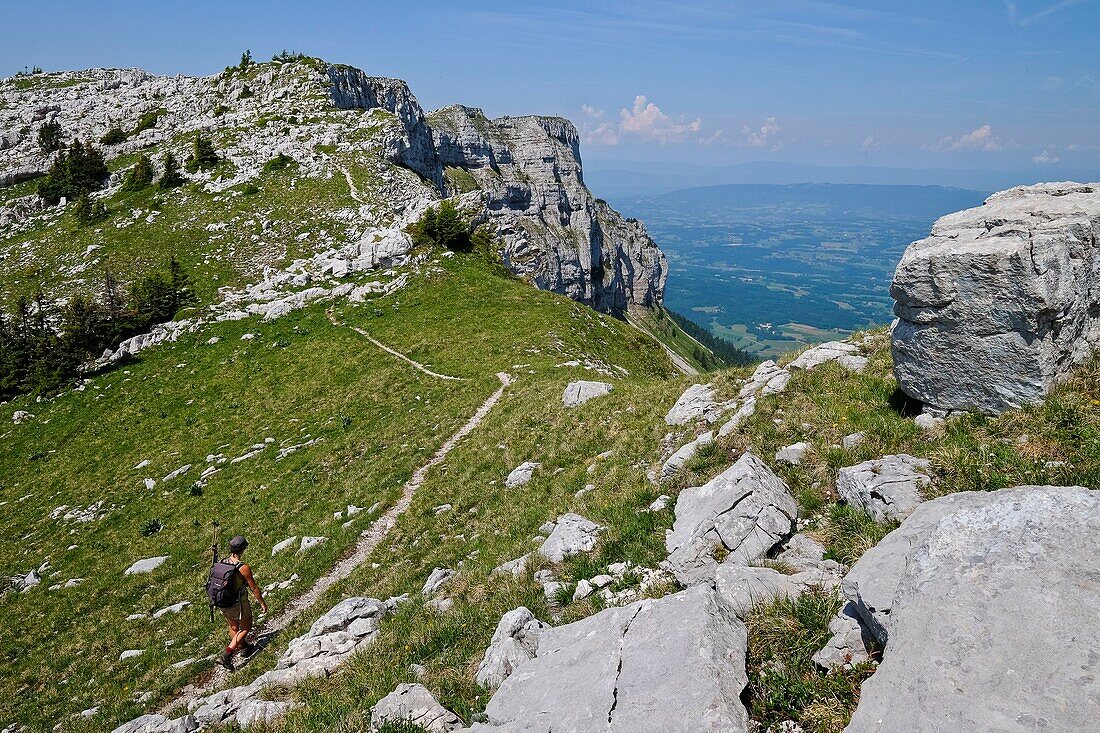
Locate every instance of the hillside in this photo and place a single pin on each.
(483, 489)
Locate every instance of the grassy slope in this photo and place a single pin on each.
(970, 453)
(380, 420)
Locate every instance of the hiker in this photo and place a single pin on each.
(239, 614)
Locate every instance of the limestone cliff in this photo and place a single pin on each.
(556, 233)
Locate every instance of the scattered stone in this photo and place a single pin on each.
(696, 403)
(978, 596)
(572, 535)
(602, 581)
(852, 440)
(174, 608)
(583, 590)
(792, 454)
(150, 484)
(146, 566)
(577, 393)
(928, 422)
(685, 453)
(850, 643)
(521, 474)
(769, 378)
(438, 577)
(177, 473)
(746, 510)
(514, 642)
(130, 654)
(308, 543)
(842, 352)
(21, 416)
(747, 410)
(998, 303)
(441, 509)
(415, 704)
(515, 568)
(154, 723)
(660, 503)
(887, 488)
(285, 544)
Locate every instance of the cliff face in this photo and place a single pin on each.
(556, 234)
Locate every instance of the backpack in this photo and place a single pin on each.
(223, 585)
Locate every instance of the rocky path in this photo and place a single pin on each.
(369, 540)
(394, 352)
(351, 184)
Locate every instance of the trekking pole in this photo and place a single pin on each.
(214, 550)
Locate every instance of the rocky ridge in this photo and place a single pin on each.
(523, 177)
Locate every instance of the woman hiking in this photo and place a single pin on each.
(239, 615)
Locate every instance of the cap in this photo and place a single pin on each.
(238, 544)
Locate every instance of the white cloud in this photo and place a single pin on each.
(1022, 20)
(980, 139)
(1045, 158)
(767, 136)
(644, 121)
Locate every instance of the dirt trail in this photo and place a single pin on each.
(394, 352)
(370, 539)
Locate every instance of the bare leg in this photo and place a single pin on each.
(240, 633)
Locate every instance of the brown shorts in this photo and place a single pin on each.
(241, 611)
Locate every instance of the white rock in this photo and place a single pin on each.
(413, 703)
(887, 488)
(842, 352)
(438, 577)
(685, 453)
(130, 654)
(521, 474)
(146, 566)
(792, 454)
(579, 392)
(174, 608)
(572, 535)
(285, 544)
(308, 543)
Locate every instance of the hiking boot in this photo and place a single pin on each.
(225, 660)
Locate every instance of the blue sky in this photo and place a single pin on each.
(940, 84)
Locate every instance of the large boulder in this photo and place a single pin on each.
(581, 391)
(743, 513)
(987, 605)
(675, 665)
(887, 488)
(1000, 301)
(696, 403)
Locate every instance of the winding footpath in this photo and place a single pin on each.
(368, 541)
(393, 352)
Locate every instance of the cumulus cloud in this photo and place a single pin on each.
(644, 121)
(980, 139)
(1045, 158)
(766, 136)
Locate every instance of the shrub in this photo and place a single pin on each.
(89, 211)
(279, 162)
(140, 176)
(203, 156)
(150, 527)
(148, 120)
(246, 92)
(50, 137)
(443, 226)
(114, 136)
(250, 189)
(76, 170)
(220, 110)
(171, 177)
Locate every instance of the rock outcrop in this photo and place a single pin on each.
(741, 513)
(1000, 301)
(515, 641)
(556, 234)
(887, 488)
(986, 603)
(673, 665)
(415, 704)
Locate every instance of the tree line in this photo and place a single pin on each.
(43, 345)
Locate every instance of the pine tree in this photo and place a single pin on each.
(140, 176)
(203, 156)
(49, 137)
(171, 177)
(88, 211)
